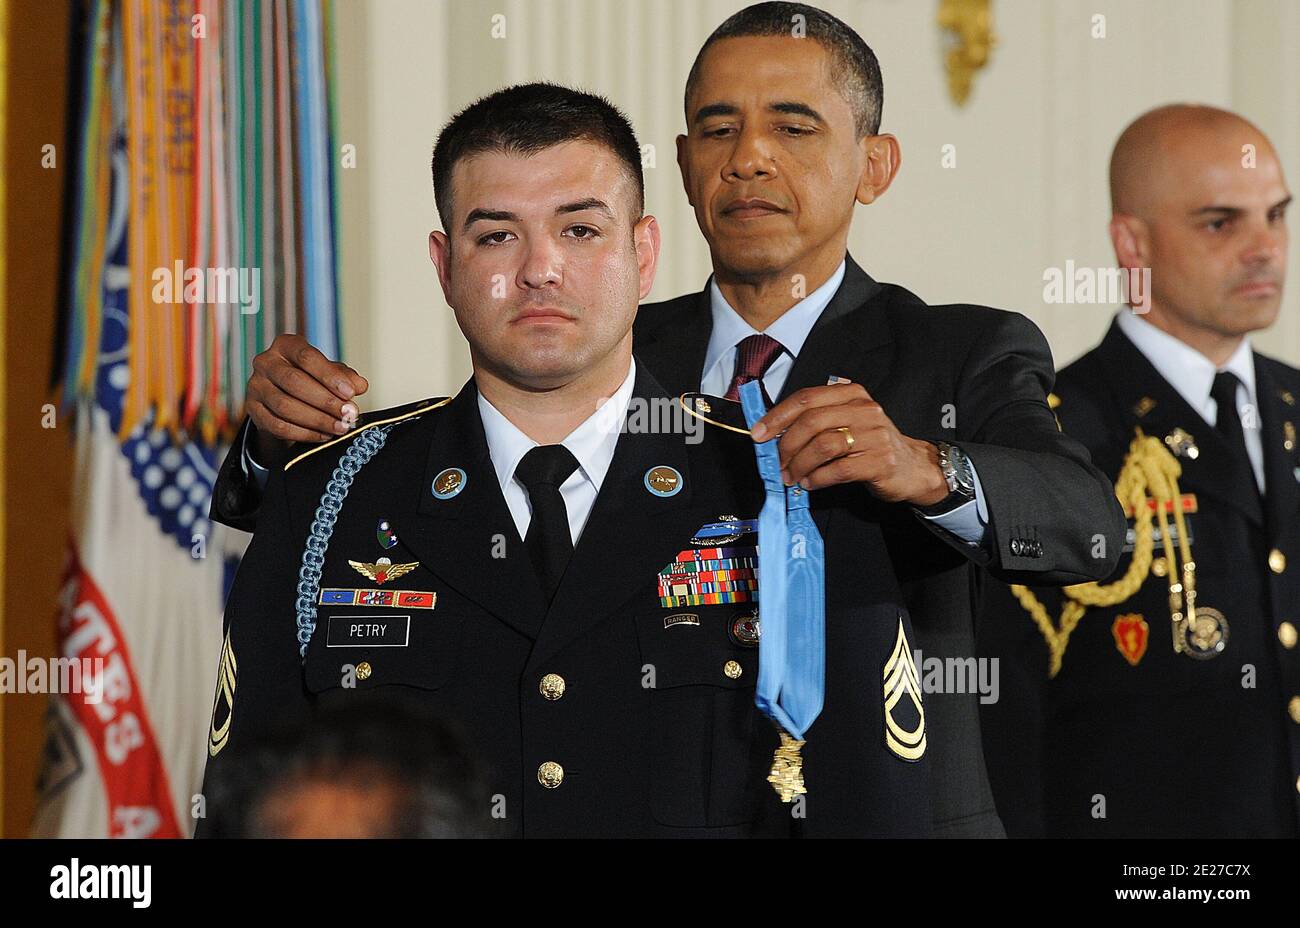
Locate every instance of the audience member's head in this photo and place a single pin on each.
(363, 767)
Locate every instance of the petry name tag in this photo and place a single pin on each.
(370, 631)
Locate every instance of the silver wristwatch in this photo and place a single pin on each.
(958, 474)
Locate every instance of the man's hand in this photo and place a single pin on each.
(816, 450)
(298, 394)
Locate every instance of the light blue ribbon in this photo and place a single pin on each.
(792, 591)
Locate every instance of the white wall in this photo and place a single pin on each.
(1028, 191)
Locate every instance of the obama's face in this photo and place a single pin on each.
(771, 161)
(545, 260)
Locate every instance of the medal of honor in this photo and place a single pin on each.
(791, 685)
(787, 769)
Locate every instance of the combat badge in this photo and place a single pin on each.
(723, 531)
(1131, 634)
(383, 570)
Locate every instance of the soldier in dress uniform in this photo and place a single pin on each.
(1166, 701)
(608, 684)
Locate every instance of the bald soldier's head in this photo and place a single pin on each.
(1198, 197)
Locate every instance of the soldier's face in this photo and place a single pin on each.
(1218, 238)
(765, 122)
(545, 261)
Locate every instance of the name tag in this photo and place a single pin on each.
(1130, 539)
(370, 631)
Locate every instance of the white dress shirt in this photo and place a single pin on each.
(791, 330)
(968, 521)
(592, 443)
(1192, 375)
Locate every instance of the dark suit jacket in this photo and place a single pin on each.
(971, 375)
(1176, 746)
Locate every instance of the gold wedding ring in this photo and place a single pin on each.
(848, 437)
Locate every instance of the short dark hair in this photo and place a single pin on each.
(527, 118)
(854, 67)
(358, 739)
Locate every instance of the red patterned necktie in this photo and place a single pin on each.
(754, 355)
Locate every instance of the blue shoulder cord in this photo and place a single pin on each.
(363, 448)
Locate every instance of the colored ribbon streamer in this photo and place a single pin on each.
(792, 596)
(228, 114)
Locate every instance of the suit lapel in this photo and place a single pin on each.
(1281, 493)
(630, 534)
(1217, 470)
(851, 333)
(848, 330)
(675, 350)
(452, 536)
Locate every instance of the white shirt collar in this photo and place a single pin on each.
(592, 443)
(791, 329)
(1187, 370)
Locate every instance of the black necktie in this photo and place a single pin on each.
(542, 471)
(1228, 421)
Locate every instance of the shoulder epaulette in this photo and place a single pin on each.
(433, 404)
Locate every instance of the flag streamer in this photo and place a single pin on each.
(231, 204)
(200, 173)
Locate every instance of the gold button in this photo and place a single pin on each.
(1297, 784)
(1287, 635)
(552, 686)
(732, 669)
(550, 774)
(1276, 561)
(1293, 707)
(364, 670)
(1159, 567)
